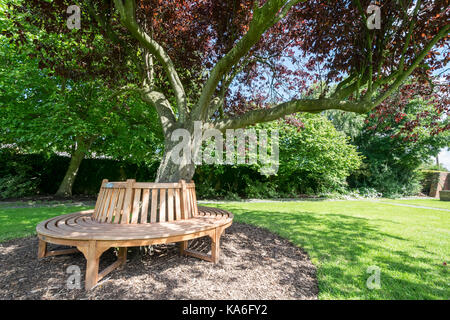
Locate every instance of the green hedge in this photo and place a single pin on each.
(30, 174)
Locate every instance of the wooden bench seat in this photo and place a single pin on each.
(129, 214)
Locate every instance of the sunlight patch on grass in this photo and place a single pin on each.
(344, 238)
(21, 222)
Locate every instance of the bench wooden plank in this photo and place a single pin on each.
(188, 204)
(118, 210)
(106, 204)
(162, 205)
(170, 205)
(177, 205)
(100, 206)
(195, 204)
(192, 202)
(127, 202)
(145, 201)
(149, 185)
(154, 205)
(99, 202)
(108, 217)
(136, 206)
(183, 203)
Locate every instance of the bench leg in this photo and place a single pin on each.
(215, 247)
(183, 247)
(92, 254)
(42, 249)
(122, 256)
(93, 261)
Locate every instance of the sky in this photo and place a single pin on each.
(444, 158)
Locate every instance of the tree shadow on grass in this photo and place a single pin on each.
(329, 234)
(343, 247)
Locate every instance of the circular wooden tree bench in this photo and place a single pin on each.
(129, 214)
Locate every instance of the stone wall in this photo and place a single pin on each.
(438, 181)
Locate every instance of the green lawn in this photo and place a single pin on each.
(17, 223)
(343, 238)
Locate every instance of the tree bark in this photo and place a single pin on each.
(65, 188)
(171, 171)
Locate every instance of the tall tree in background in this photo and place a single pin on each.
(204, 59)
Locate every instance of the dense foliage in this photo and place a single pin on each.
(139, 69)
(314, 159)
(394, 152)
(58, 106)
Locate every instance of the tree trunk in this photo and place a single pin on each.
(65, 188)
(171, 170)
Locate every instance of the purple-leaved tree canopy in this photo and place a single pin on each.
(235, 63)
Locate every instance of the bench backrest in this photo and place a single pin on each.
(134, 202)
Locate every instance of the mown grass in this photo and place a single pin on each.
(343, 239)
(21, 222)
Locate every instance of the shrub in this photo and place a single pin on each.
(17, 179)
(315, 158)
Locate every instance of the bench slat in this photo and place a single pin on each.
(136, 206)
(145, 200)
(177, 205)
(118, 210)
(127, 203)
(106, 205)
(170, 205)
(113, 205)
(183, 203)
(102, 203)
(194, 195)
(148, 185)
(100, 198)
(188, 204)
(154, 205)
(162, 205)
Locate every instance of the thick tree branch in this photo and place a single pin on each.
(162, 106)
(290, 107)
(263, 18)
(318, 105)
(127, 12)
(149, 78)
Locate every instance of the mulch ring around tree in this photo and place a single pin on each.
(254, 264)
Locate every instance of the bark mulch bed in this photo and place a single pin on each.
(254, 264)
